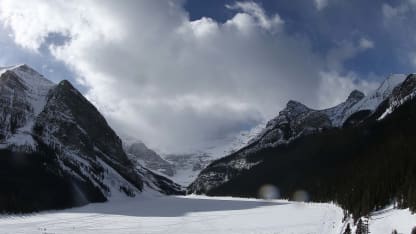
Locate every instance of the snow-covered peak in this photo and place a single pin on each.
(401, 94)
(8, 68)
(339, 113)
(29, 75)
(296, 107)
(355, 95)
(37, 85)
(390, 83)
(296, 119)
(386, 87)
(23, 92)
(374, 99)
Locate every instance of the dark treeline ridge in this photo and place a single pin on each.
(361, 168)
(32, 182)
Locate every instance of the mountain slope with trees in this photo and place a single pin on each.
(58, 151)
(365, 165)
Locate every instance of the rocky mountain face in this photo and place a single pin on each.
(303, 148)
(400, 94)
(139, 152)
(23, 94)
(60, 136)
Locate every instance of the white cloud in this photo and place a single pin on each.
(412, 59)
(334, 87)
(390, 12)
(346, 50)
(321, 4)
(175, 83)
(396, 20)
(366, 43)
(253, 10)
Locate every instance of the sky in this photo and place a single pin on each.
(180, 75)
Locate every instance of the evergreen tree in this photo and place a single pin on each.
(394, 232)
(414, 230)
(359, 229)
(362, 227)
(348, 230)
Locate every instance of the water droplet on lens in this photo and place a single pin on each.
(301, 196)
(269, 192)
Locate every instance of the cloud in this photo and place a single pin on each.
(346, 50)
(397, 22)
(366, 43)
(390, 12)
(180, 84)
(334, 87)
(321, 4)
(412, 59)
(254, 10)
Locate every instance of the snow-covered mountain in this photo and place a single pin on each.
(55, 125)
(294, 121)
(23, 96)
(139, 152)
(298, 120)
(187, 166)
(183, 168)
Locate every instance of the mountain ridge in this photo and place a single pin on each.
(55, 125)
(294, 131)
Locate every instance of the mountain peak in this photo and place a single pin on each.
(296, 107)
(19, 67)
(389, 84)
(406, 88)
(355, 95)
(411, 76)
(291, 104)
(30, 77)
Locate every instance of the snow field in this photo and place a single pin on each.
(192, 214)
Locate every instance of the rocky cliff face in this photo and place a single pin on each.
(74, 128)
(139, 152)
(400, 94)
(22, 97)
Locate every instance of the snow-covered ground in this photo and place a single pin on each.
(194, 214)
(199, 214)
(390, 219)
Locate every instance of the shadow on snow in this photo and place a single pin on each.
(169, 206)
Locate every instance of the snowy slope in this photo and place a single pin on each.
(387, 220)
(183, 215)
(187, 166)
(401, 94)
(234, 143)
(374, 99)
(138, 152)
